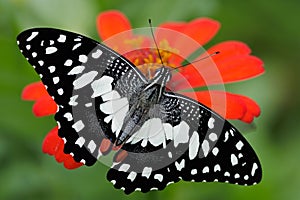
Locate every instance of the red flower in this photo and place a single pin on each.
(234, 63)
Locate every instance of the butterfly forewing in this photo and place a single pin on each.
(77, 72)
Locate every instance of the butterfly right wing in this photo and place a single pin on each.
(78, 72)
(194, 144)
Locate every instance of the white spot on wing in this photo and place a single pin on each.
(124, 167)
(239, 145)
(180, 166)
(213, 137)
(85, 79)
(193, 171)
(211, 122)
(80, 141)
(78, 126)
(205, 147)
(102, 86)
(62, 38)
(82, 161)
(181, 133)
(147, 172)
(119, 110)
(76, 70)
(55, 80)
(113, 106)
(205, 170)
(155, 133)
(215, 151)
(83, 58)
(108, 119)
(76, 46)
(111, 95)
(33, 35)
(226, 136)
(194, 145)
(50, 50)
(168, 131)
(254, 168)
(139, 135)
(131, 176)
(97, 54)
(236, 175)
(158, 177)
(88, 105)
(92, 146)
(51, 69)
(234, 159)
(227, 174)
(41, 63)
(68, 116)
(72, 101)
(68, 62)
(60, 91)
(217, 168)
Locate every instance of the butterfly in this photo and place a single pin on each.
(163, 136)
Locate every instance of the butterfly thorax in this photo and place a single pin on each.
(141, 103)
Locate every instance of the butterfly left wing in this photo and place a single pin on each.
(77, 71)
(195, 144)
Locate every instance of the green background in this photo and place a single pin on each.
(270, 28)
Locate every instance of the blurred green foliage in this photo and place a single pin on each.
(270, 28)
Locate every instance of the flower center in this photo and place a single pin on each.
(148, 60)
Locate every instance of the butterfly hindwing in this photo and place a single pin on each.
(77, 72)
(200, 146)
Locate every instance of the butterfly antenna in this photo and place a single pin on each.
(151, 28)
(188, 63)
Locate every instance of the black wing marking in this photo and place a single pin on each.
(73, 67)
(207, 149)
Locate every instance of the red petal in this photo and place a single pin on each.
(196, 75)
(240, 67)
(110, 23)
(34, 91)
(253, 109)
(233, 69)
(70, 163)
(53, 145)
(202, 29)
(182, 45)
(51, 142)
(233, 63)
(60, 156)
(223, 103)
(228, 49)
(187, 37)
(67, 159)
(44, 106)
(175, 26)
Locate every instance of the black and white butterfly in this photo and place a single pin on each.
(168, 137)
